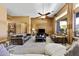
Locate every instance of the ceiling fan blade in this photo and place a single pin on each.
(48, 13)
(40, 14)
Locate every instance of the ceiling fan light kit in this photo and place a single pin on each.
(43, 16)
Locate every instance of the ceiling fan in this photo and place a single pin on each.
(45, 13)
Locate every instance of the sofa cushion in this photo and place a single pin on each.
(28, 48)
(27, 55)
(3, 51)
(55, 49)
(74, 49)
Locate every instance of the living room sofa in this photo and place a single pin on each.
(39, 49)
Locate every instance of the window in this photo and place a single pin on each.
(62, 26)
(77, 25)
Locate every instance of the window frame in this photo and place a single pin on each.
(61, 19)
(75, 16)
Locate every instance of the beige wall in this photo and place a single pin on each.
(3, 24)
(22, 23)
(21, 28)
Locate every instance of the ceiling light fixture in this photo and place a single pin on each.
(43, 16)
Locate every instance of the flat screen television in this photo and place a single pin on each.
(41, 30)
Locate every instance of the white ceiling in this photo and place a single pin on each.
(31, 9)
